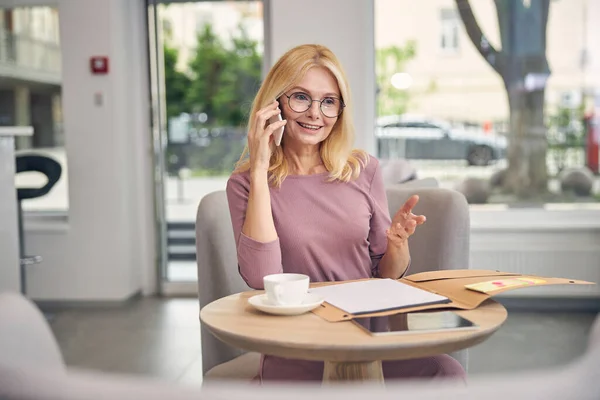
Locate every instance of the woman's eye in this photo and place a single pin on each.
(301, 96)
(329, 101)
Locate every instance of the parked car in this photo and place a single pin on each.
(413, 137)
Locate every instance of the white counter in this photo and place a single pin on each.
(9, 232)
(13, 131)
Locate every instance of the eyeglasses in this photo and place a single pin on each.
(300, 102)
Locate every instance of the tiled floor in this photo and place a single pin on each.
(153, 337)
(160, 338)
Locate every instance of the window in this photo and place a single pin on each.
(212, 57)
(30, 95)
(449, 29)
(465, 97)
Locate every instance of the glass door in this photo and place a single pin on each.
(206, 62)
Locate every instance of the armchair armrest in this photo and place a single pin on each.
(26, 337)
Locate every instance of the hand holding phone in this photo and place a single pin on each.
(278, 134)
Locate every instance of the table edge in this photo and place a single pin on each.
(332, 353)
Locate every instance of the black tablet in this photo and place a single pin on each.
(418, 322)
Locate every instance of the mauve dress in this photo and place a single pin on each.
(330, 231)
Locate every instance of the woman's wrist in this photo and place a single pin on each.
(259, 175)
(394, 248)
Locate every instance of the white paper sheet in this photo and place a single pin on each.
(376, 295)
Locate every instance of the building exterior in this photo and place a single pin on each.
(183, 21)
(30, 73)
(450, 78)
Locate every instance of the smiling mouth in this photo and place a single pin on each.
(309, 126)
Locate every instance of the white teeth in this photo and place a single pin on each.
(313, 127)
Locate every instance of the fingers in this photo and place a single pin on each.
(403, 232)
(411, 226)
(410, 203)
(406, 210)
(397, 235)
(419, 219)
(275, 125)
(262, 116)
(405, 214)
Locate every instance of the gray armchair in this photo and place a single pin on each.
(441, 243)
(218, 277)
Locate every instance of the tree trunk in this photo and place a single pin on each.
(522, 64)
(527, 144)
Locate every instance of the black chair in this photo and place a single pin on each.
(52, 170)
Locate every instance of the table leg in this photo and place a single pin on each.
(353, 371)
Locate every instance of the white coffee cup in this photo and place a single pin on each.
(286, 289)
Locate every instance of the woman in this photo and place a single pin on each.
(313, 205)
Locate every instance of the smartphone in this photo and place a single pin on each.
(421, 322)
(278, 134)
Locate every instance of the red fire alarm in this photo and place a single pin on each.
(99, 65)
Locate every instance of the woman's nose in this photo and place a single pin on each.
(314, 109)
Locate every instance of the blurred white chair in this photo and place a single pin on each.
(31, 368)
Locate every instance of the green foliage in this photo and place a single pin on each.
(224, 81)
(566, 128)
(218, 157)
(389, 61)
(221, 82)
(176, 83)
(566, 136)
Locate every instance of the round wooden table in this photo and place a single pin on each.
(348, 351)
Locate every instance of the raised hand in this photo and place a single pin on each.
(404, 223)
(260, 136)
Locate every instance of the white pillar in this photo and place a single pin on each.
(105, 251)
(347, 28)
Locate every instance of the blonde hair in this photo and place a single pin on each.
(339, 158)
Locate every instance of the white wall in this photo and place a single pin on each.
(346, 27)
(106, 249)
(551, 242)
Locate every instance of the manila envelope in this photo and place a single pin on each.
(466, 289)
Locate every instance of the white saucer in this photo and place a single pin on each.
(261, 303)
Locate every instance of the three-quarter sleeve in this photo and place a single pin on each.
(255, 259)
(380, 218)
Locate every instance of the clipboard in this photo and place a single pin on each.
(454, 285)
